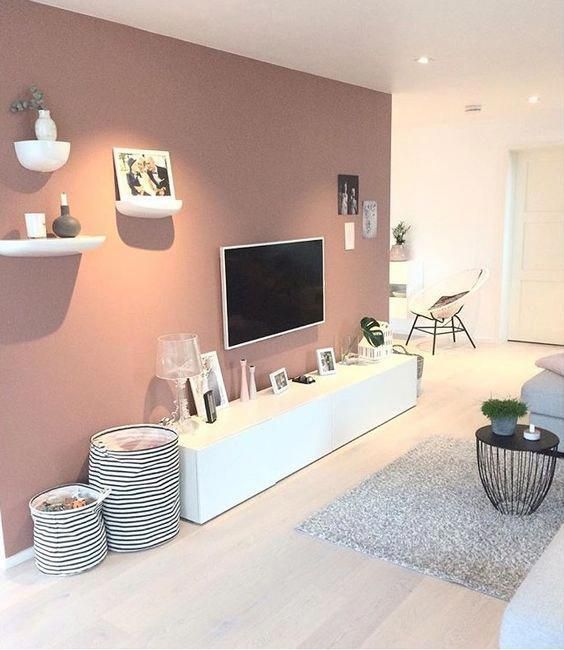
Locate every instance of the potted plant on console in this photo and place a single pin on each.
(504, 414)
(399, 252)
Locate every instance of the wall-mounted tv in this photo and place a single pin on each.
(270, 289)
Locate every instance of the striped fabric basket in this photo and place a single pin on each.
(69, 541)
(141, 466)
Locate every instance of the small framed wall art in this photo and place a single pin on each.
(279, 381)
(347, 194)
(326, 364)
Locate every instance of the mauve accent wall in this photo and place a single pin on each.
(255, 150)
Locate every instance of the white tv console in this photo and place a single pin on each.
(255, 444)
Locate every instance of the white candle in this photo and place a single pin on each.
(64, 200)
(531, 428)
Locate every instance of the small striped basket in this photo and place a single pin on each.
(369, 353)
(141, 466)
(69, 541)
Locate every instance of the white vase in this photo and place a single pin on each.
(45, 127)
(252, 383)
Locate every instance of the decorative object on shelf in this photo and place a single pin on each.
(42, 155)
(399, 252)
(143, 172)
(211, 378)
(531, 433)
(50, 246)
(69, 540)
(516, 473)
(252, 383)
(65, 225)
(209, 404)
(178, 359)
(400, 349)
(35, 225)
(349, 236)
(244, 384)
(279, 381)
(376, 343)
(504, 414)
(347, 194)
(369, 219)
(145, 184)
(45, 127)
(326, 364)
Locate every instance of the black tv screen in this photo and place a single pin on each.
(270, 289)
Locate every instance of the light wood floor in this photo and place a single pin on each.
(248, 579)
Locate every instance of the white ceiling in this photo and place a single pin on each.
(483, 50)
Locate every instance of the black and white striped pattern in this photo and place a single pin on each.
(70, 541)
(143, 509)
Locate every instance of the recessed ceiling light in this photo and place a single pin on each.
(534, 99)
(423, 59)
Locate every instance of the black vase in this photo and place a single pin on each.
(66, 225)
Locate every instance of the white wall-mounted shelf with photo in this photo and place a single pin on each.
(42, 155)
(149, 207)
(50, 247)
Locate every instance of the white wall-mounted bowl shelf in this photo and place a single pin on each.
(42, 155)
(149, 207)
(50, 247)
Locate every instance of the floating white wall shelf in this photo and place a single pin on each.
(42, 155)
(149, 207)
(50, 247)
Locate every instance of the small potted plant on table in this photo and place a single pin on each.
(399, 252)
(504, 414)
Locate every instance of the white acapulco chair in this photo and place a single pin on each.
(442, 302)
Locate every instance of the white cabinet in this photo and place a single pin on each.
(366, 405)
(303, 435)
(255, 444)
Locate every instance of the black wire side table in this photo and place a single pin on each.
(516, 473)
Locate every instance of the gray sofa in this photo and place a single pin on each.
(544, 395)
(534, 617)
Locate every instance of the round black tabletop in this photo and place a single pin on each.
(517, 442)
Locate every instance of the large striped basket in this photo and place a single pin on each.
(141, 466)
(69, 541)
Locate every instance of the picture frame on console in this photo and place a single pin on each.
(210, 379)
(326, 362)
(143, 172)
(279, 381)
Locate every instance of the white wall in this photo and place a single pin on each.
(449, 178)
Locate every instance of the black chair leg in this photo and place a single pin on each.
(453, 332)
(434, 335)
(411, 330)
(466, 332)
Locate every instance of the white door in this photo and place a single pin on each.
(536, 308)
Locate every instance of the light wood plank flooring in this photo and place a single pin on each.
(248, 579)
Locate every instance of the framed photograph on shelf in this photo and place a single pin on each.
(210, 379)
(279, 381)
(326, 364)
(143, 172)
(347, 194)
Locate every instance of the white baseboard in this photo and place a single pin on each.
(18, 558)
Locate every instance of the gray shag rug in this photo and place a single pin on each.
(428, 511)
